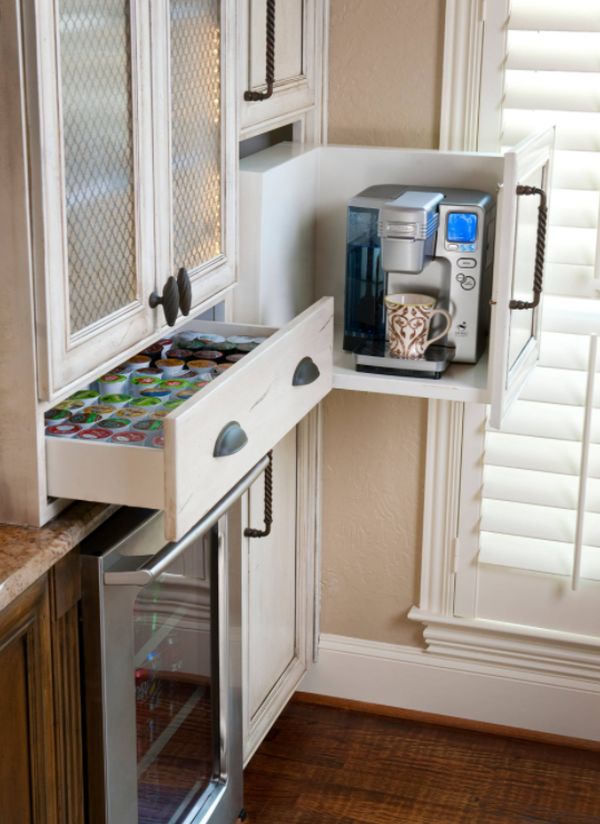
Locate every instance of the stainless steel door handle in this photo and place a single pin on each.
(153, 568)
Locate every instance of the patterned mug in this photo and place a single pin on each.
(409, 318)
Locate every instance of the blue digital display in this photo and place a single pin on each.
(461, 227)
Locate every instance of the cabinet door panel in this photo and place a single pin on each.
(298, 36)
(516, 332)
(289, 40)
(94, 244)
(272, 575)
(194, 148)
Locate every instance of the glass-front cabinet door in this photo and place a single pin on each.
(133, 165)
(92, 189)
(195, 145)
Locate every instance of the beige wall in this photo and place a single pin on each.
(374, 445)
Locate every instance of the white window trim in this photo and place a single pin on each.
(455, 430)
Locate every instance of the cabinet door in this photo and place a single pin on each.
(295, 59)
(275, 656)
(516, 331)
(27, 754)
(88, 67)
(195, 160)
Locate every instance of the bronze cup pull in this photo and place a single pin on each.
(185, 291)
(306, 372)
(540, 249)
(169, 300)
(230, 440)
(270, 57)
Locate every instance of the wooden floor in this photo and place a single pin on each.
(320, 765)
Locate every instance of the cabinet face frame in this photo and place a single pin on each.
(63, 358)
(218, 273)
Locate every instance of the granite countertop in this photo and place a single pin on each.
(26, 553)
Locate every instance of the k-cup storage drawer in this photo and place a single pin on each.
(213, 438)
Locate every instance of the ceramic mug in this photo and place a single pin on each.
(409, 318)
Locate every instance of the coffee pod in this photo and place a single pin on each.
(202, 366)
(210, 338)
(240, 339)
(223, 367)
(186, 394)
(54, 416)
(152, 352)
(86, 418)
(188, 375)
(140, 361)
(159, 414)
(163, 394)
(113, 382)
(71, 406)
(183, 338)
(173, 404)
(129, 438)
(116, 424)
(145, 403)
(104, 410)
(173, 385)
(147, 371)
(192, 345)
(94, 434)
(210, 354)
(141, 382)
(87, 396)
(170, 367)
(179, 354)
(117, 401)
(166, 343)
(132, 412)
(63, 430)
(246, 347)
(157, 442)
(235, 358)
(151, 426)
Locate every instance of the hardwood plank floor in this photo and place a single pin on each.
(321, 764)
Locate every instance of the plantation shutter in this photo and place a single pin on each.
(541, 494)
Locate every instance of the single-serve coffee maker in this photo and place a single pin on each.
(422, 245)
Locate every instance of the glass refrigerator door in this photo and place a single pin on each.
(176, 686)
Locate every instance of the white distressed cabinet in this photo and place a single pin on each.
(298, 62)
(132, 155)
(279, 574)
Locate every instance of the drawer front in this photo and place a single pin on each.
(257, 396)
(261, 398)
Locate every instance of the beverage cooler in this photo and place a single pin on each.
(162, 667)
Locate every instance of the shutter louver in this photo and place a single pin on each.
(532, 467)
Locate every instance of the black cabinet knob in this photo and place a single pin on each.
(185, 291)
(169, 300)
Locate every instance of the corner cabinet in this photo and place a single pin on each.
(132, 155)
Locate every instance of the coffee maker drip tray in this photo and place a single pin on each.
(375, 357)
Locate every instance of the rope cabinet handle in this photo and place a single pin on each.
(540, 249)
(268, 517)
(270, 57)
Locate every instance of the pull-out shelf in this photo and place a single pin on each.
(240, 415)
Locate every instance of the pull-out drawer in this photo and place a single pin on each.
(216, 436)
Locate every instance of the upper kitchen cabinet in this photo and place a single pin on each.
(281, 53)
(317, 185)
(130, 156)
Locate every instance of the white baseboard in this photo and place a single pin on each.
(414, 679)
